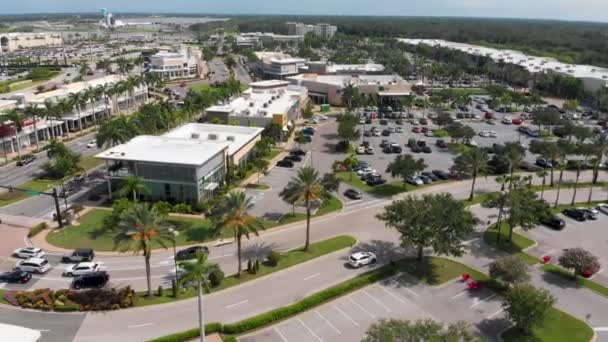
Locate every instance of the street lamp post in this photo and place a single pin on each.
(175, 235)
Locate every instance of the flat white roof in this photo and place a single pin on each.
(234, 136)
(262, 103)
(343, 80)
(332, 68)
(166, 150)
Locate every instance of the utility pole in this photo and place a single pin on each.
(57, 209)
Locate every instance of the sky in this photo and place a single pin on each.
(587, 10)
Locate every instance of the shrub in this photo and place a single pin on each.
(67, 308)
(37, 229)
(273, 258)
(580, 261)
(216, 277)
(182, 208)
(159, 292)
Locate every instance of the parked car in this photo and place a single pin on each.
(353, 194)
(399, 130)
(426, 149)
(361, 259)
(190, 252)
(441, 174)
(26, 160)
(369, 150)
(576, 214)
(591, 213)
(424, 130)
(360, 150)
(384, 122)
(421, 143)
(416, 129)
(308, 131)
(411, 142)
(544, 163)
(396, 149)
(441, 143)
(293, 158)
(29, 252)
(505, 121)
(430, 175)
(97, 279)
(415, 181)
(81, 268)
(92, 144)
(33, 265)
(423, 121)
(285, 163)
(399, 122)
(297, 152)
(387, 149)
(554, 222)
(79, 255)
(16, 276)
(517, 121)
(425, 179)
(603, 207)
(375, 181)
(367, 133)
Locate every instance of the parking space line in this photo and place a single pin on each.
(496, 313)
(477, 301)
(276, 330)
(328, 322)
(460, 294)
(377, 301)
(237, 304)
(345, 315)
(404, 286)
(362, 308)
(312, 276)
(397, 297)
(310, 330)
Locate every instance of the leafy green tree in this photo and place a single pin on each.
(350, 96)
(139, 228)
(525, 209)
(196, 272)
(405, 166)
(579, 260)
(510, 269)
(261, 166)
(330, 182)
(393, 330)
(133, 186)
(527, 306)
(162, 208)
(473, 162)
(347, 128)
(305, 188)
(514, 154)
(233, 214)
(438, 221)
(116, 131)
(350, 162)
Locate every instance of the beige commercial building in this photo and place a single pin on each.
(10, 42)
(183, 62)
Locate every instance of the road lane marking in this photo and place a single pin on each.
(139, 325)
(345, 315)
(220, 256)
(460, 294)
(328, 322)
(237, 304)
(496, 313)
(43, 330)
(362, 308)
(397, 297)
(276, 330)
(312, 276)
(600, 329)
(310, 330)
(377, 301)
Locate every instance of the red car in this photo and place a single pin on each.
(416, 130)
(424, 130)
(517, 121)
(489, 116)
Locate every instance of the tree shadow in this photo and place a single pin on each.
(491, 328)
(564, 281)
(385, 251)
(258, 250)
(330, 136)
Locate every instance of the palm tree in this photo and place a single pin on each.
(502, 179)
(34, 112)
(542, 173)
(577, 165)
(197, 272)
(115, 131)
(139, 227)
(306, 188)
(17, 119)
(473, 162)
(77, 100)
(65, 105)
(600, 148)
(515, 155)
(234, 215)
(134, 186)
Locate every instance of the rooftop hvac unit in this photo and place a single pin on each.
(212, 137)
(194, 136)
(251, 104)
(230, 138)
(265, 105)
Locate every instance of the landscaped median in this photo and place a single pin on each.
(434, 271)
(384, 190)
(516, 246)
(575, 279)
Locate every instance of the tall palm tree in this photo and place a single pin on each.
(115, 131)
(77, 100)
(473, 162)
(139, 227)
(133, 186)
(17, 119)
(197, 272)
(515, 155)
(600, 148)
(34, 113)
(577, 165)
(64, 106)
(542, 173)
(234, 215)
(306, 188)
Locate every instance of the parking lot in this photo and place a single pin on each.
(401, 297)
(591, 235)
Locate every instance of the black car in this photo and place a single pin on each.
(554, 222)
(294, 158)
(576, 214)
(368, 121)
(297, 152)
(411, 142)
(26, 160)
(353, 194)
(399, 122)
(421, 143)
(79, 255)
(384, 143)
(441, 143)
(386, 133)
(91, 280)
(190, 252)
(416, 149)
(544, 163)
(387, 149)
(384, 122)
(396, 149)
(16, 276)
(441, 174)
(430, 175)
(376, 181)
(285, 163)
(426, 149)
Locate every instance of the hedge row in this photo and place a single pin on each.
(37, 229)
(284, 312)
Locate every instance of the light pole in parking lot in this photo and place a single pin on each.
(175, 235)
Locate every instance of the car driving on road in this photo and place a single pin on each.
(33, 265)
(81, 268)
(29, 252)
(91, 280)
(361, 259)
(18, 277)
(79, 255)
(190, 252)
(353, 194)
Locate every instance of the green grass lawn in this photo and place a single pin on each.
(273, 153)
(87, 163)
(330, 205)
(434, 271)
(516, 247)
(558, 327)
(577, 280)
(89, 233)
(561, 207)
(288, 259)
(384, 190)
(257, 186)
(7, 198)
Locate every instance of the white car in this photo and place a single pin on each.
(415, 181)
(92, 144)
(603, 207)
(362, 121)
(29, 252)
(592, 213)
(361, 150)
(493, 134)
(484, 134)
(399, 130)
(376, 133)
(429, 134)
(365, 170)
(33, 265)
(81, 268)
(322, 117)
(361, 259)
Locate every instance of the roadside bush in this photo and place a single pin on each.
(273, 258)
(187, 335)
(182, 208)
(216, 277)
(67, 308)
(71, 300)
(77, 208)
(37, 229)
(159, 292)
